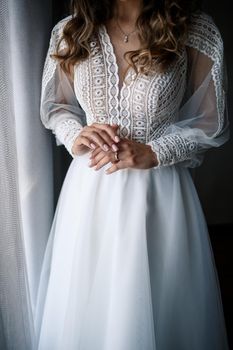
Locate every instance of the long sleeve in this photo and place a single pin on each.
(60, 110)
(202, 120)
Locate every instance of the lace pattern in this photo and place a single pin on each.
(205, 37)
(143, 100)
(65, 126)
(50, 65)
(66, 132)
(146, 106)
(172, 149)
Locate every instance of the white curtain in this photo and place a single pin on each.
(26, 169)
(26, 166)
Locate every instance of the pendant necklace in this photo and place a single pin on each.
(126, 36)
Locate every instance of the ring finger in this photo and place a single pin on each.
(95, 152)
(97, 158)
(105, 160)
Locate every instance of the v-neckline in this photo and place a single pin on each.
(130, 71)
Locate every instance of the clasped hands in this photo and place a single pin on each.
(103, 141)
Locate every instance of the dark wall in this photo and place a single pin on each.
(213, 179)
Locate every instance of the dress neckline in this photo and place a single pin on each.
(118, 97)
(130, 75)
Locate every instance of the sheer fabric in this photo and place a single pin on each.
(202, 121)
(26, 200)
(60, 110)
(128, 263)
(180, 131)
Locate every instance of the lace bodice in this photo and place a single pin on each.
(144, 104)
(179, 113)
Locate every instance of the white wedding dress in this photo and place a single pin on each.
(128, 263)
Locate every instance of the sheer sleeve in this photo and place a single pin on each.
(202, 120)
(60, 110)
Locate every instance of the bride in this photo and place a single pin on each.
(135, 91)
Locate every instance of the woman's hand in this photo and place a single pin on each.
(96, 135)
(131, 154)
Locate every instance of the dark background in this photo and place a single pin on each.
(213, 179)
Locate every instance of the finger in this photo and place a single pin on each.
(102, 130)
(110, 129)
(113, 168)
(95, 140)
(105, 160)
(121, 164)
(84, 141)
(108, 140)
(95, 152)
(98, 139)
(100, 155)
(98, 158)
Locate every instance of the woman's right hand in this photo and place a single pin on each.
(96, 134)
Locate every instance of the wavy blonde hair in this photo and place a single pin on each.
(162, 27)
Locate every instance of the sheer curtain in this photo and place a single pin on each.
(26, 169)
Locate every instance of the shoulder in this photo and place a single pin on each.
(57, 32)
(204, 35)
(59, 26)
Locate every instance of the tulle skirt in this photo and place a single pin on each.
(129, 265)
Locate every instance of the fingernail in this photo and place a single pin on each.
(115, 148)
(90, 163)
(117, 139)
(105, 147)
(92, 145)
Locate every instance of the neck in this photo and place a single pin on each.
(127, 11)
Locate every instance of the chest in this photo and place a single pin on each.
(140, 104)
(120, 48)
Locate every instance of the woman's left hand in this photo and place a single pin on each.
(131, 154)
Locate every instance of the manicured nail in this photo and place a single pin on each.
(105, 147)
(115, 148)
(90, 163)
(92, 145)
(117, 139)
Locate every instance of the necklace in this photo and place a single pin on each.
(126, 36)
